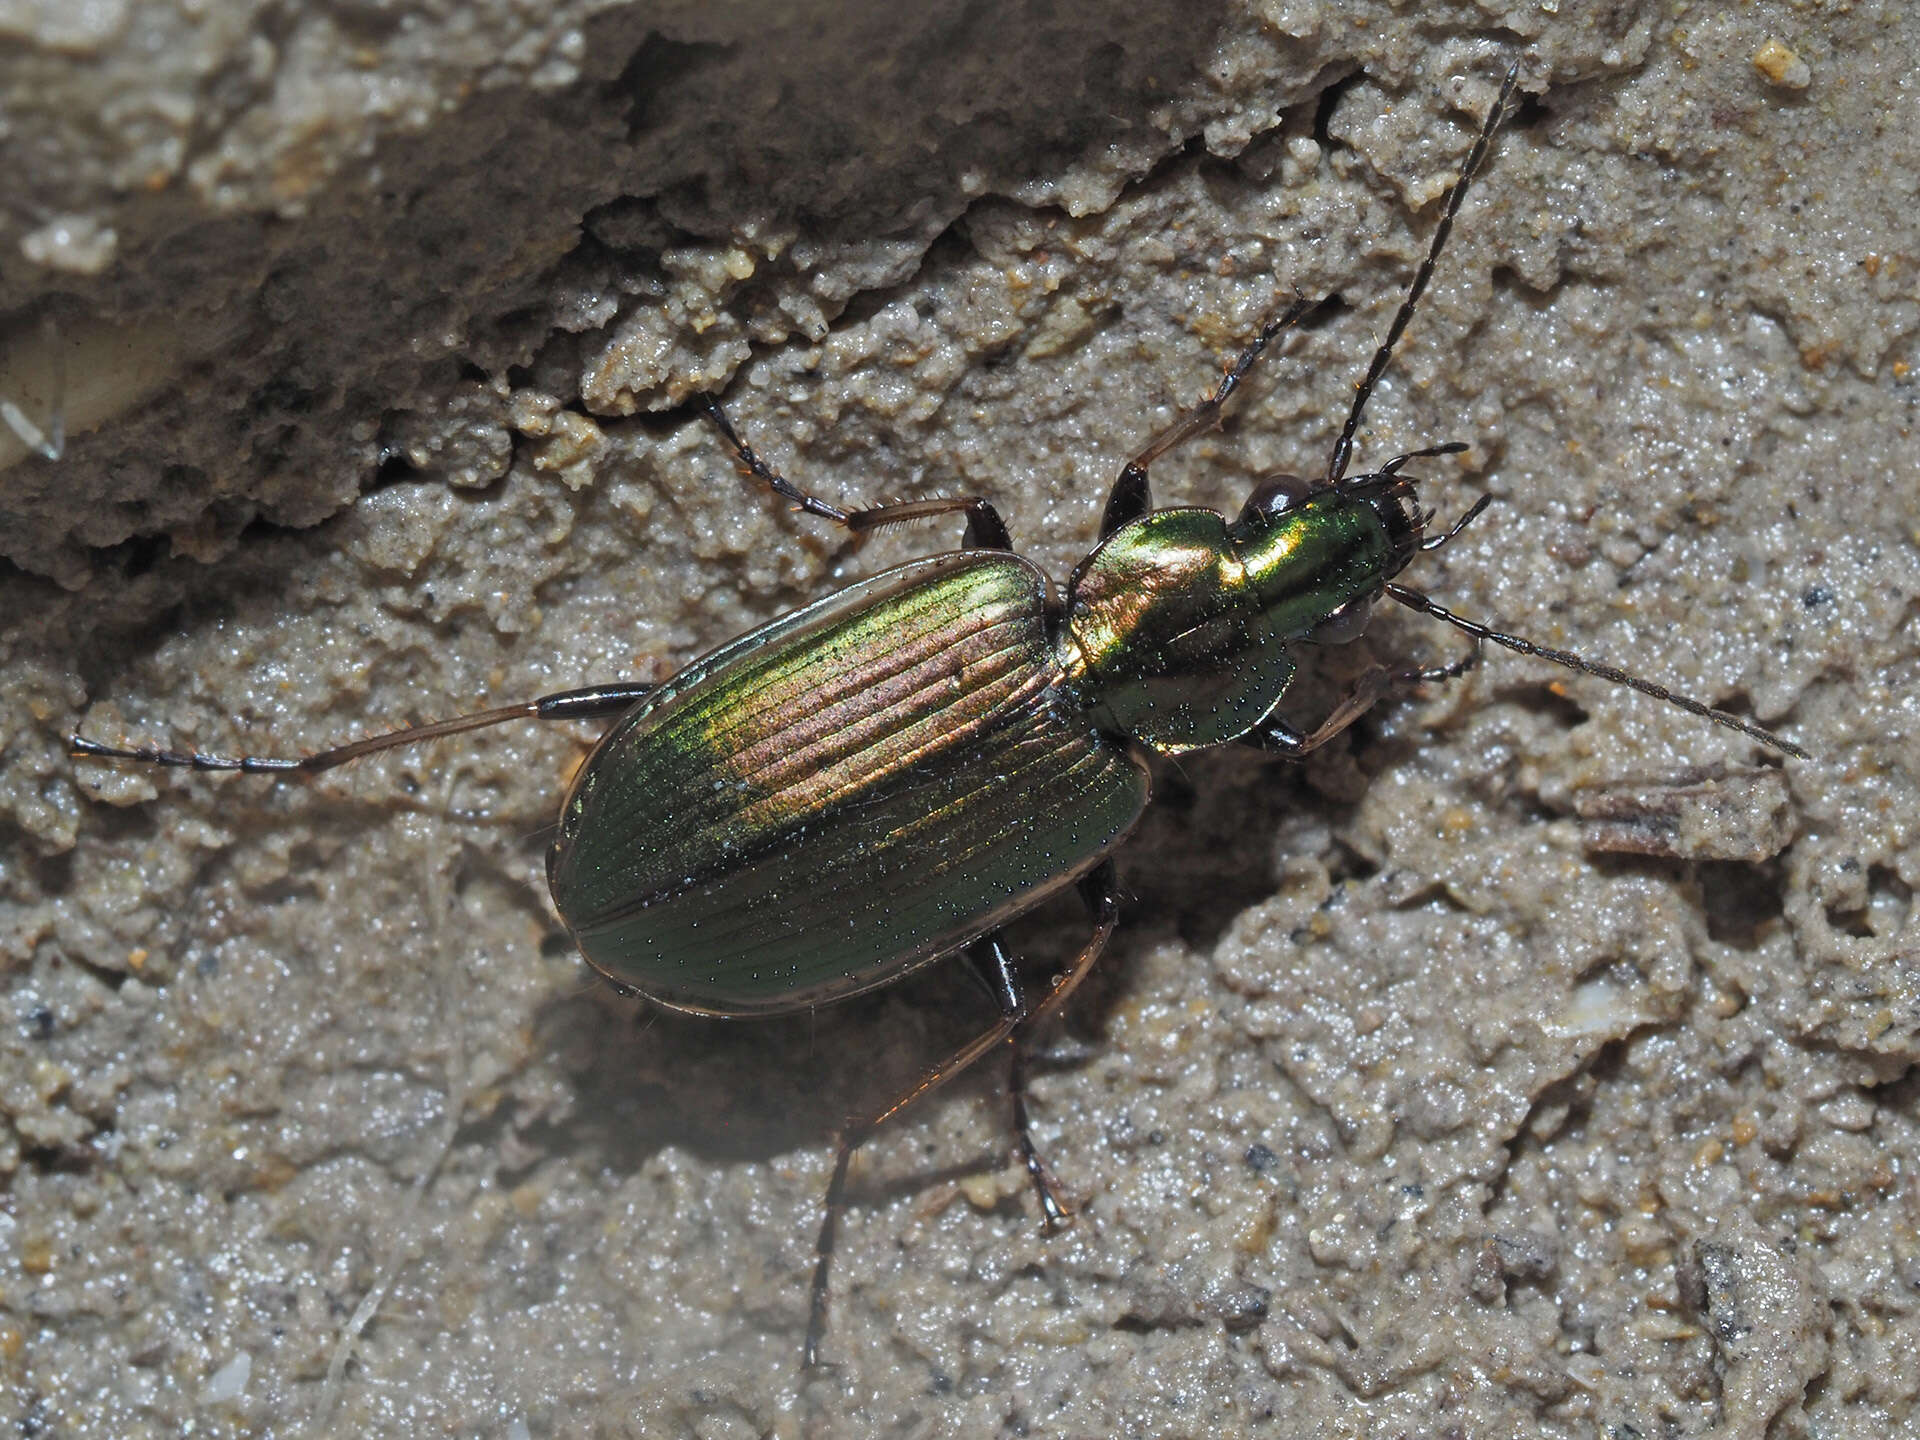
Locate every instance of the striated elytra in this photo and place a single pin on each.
(892, 774)
(842, 795)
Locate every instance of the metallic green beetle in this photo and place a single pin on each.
(892, 774)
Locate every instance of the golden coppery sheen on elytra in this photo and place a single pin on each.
(851, 791)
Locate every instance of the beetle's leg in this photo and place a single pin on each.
(993, 967)
(985, 529)
(852, 1138)
(595, 702)
(1055, 1213)
(1131, 497)
(1374, 683)
(1102, 893)
(1435, 674)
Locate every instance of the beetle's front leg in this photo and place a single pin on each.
(1377, 681)
(1131, 496)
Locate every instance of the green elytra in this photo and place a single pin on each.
(893, 773)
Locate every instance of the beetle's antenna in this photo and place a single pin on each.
(1452, 447)
(1434, 542)
(1343, 447)
(1414, 600)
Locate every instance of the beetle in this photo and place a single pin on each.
(892, 774)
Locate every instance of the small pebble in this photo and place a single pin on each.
(229, 1382)
(1778, 65)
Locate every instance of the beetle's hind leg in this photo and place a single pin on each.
(985, 529)
(1101, 892)
(595, 702)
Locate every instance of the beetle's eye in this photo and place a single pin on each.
(1346, 623)
(1273, 497)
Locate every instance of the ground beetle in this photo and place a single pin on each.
(893, 773)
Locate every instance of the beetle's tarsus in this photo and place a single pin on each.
(823, 1246)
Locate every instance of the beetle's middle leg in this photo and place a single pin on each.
(993, 967)
(1100, 892)
(1131, 497)
(985, 529)
(1100, 889)
(1374, 684)
(1055, 1211)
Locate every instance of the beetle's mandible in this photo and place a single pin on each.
(892, 774)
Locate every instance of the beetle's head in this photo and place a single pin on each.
(1334, 546)
(1395, 504)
